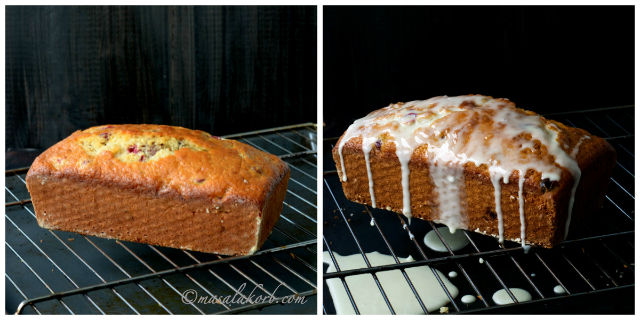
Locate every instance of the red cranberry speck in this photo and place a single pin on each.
(133, 149)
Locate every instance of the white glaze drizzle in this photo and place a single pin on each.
(371, 194)
(455, 138)
(576, 176)
(497, 189)
(447, 180)
(342, 169)
(406, 196)
(576, 148)
(523, 232)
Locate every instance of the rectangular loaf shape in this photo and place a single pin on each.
(160, 185)
(431, 168)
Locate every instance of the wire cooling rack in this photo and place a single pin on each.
(53, 272)
(595, 269)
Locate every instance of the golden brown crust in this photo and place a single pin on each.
(545, 210)
(192, 191)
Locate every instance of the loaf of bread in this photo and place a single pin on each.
(476, 163)
(160, 185)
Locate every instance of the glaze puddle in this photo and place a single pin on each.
(468, 299)
(456, 240)
(502, 297)
(367, 296)
(559, 290)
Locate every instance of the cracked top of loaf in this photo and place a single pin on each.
(473, 129)
(166, 160)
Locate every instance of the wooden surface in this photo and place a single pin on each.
(218, 69)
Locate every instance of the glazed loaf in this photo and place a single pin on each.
(160, 185)
(475, 163)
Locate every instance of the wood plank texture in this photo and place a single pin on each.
(218, 69)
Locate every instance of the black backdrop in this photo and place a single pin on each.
(542, 58)
(218, 69)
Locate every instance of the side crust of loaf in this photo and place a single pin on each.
(110, 211)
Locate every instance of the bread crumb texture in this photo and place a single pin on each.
(129, 148)
(165, 159)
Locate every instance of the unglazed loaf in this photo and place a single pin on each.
(160, 185)
(476, 163)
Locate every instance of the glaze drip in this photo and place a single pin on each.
(521, 208)
(497, 191)
(447, 180)
(368, 164)
(466, 129)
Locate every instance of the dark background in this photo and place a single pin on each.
(218, 69)
(545, 59)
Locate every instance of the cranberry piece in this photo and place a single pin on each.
(413, 114)
(200, 180)
(133, 149)
(142, 157)
(105, 135)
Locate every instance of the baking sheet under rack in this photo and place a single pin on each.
(596, 268)
(53, 272)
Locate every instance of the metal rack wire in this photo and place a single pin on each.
(51, 272)
(598, 262)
